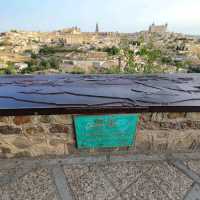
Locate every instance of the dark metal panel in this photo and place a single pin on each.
(89, 94)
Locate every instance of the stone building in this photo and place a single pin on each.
(73, 30)
(158, 28)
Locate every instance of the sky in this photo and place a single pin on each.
(112, 15)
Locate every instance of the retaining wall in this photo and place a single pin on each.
(32, 136)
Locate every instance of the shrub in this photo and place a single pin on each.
(54, 63)
(33, 56)
(5, 43)
(13, 31)
(9, 70)
(58, 49)
(44, 64)
(111, 70)
(112, 51)
(77, 70)
(166, 60)
(194, 70)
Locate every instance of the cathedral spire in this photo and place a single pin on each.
(97, 28)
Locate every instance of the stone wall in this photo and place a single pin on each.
(36, 135)
(168, 132)
(31, 136)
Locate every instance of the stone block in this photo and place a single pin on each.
(176, 115)
(151, 125)
(146, 116)
(193, 116)
(72, 149)
(62, 119)
(143, 142)
(56, 142)
(58, 128)
(5, 119)
(40, 139)
(22, 154)
(21, 143)
(5, 150)
(157, 117)
(45, 119)
(20, 120)
(180, 141)
(34, 130)
(70, 138)
(10, 130)
(46, 149)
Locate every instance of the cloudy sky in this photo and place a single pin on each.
(112, 15)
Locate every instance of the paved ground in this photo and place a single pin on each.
(102, 178)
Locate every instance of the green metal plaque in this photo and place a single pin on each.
(105, 131)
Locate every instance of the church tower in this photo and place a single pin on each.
(97, 28)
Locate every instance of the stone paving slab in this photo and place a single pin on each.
(122, 174)
(88, 183)
(60, 181)
(195, 166)
(194, 193)
(144, 189)
(170, 180)
(36, 185)
(12, 174)
(136, 180)
(140, 180)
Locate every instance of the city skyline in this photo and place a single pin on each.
(113, 15)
